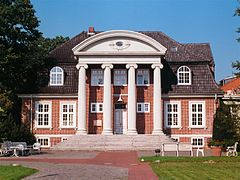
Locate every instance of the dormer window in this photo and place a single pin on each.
(184, 75)
(56, 76)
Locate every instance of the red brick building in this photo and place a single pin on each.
(125, 82)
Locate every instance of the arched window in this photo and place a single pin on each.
(184, 75)
(56, 76)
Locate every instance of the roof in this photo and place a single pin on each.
(232, 85)
(202, 81)
(197, 56)
(185, 52)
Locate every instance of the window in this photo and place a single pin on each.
(120, 77)
(68, 114)
(143, 107)
(172, 114)
(43, 114)
(97, 77)
(142, 77)
(184, 75)
(56, 76)
(96, 107)
(197, 142)
(197, 114)
(44, 142)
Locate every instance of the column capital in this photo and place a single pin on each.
(135, 66)
(157, 65)
(107, 65)
(79, 65)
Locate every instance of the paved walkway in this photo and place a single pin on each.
(85, 165)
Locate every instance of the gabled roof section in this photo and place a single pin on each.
(190, 52)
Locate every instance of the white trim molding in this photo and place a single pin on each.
(192, 135)
(68, 113)
(178, 112)
(53, 135)
(98, 107)
(186, 75)
(199, 113)
(143, 107)
(160, 49)
(44, 138)
(49, 103)
(197, 138)
(191, 96)
(55, 72)
(50, 96)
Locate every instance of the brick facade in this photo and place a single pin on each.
(202, 88)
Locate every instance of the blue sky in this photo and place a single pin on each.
(186, 21)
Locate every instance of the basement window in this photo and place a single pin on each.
(44, 142)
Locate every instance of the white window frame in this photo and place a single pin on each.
(93, 83)
(179, 109)
(148, 78)
(54, 73)
(98, 109)
(46, 138)
(203, 114)
(192, 138)
(143, 104)
(73, 103)
(115, 82)
(184, 74)
(49, 103)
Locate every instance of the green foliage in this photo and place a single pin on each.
(189, 159)
(195, 167)
(236, 64)
(18, 33)
(15, 172)
(226, 123)
(5, 103)
(237, 13)
(23, 55)
(197, 170)
(216, 143)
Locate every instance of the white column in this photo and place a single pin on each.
(107, 100)
(82, 111)
(157, 107)
(131, 106)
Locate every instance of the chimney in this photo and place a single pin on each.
(91, 31)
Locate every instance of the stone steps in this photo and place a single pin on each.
(112, 142)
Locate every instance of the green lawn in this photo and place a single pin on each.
(195, 168)
(15, 172)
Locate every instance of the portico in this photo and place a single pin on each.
(129, 49)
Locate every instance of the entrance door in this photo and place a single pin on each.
(120, 119)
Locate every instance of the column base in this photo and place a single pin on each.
(81, 132)
(107, 132)
(132, 132)
(157, 132)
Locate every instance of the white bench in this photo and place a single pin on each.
(185, 147)
(170, 147)
(177, 147)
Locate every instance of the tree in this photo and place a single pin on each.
(227, 122)
(237, 13)
(23, 54)
(236, 64)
